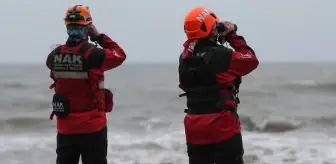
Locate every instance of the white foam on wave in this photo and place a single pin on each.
(169, 147)
(305, 82)
(305, 148)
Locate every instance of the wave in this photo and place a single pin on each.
(170, 148)
(325, 121)
(286, 125)
(269, 126)
(151, 125)
(259, 93)
(32, 104)
(310, 85)
(14, 85)
(25, 124)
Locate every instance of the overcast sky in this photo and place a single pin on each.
(152, 30)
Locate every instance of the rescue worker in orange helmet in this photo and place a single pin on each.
(81, 102)
(210, 75)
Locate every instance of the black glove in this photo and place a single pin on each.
(93, 32)
(227, 29)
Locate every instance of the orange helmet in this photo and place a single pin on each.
(199, 22)
(78, 14)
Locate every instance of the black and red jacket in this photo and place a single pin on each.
(77, 69)
(210, 77)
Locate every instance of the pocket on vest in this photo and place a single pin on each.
(60, 104)
(105, 100)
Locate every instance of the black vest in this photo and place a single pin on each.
(70, 64)
(198, 77)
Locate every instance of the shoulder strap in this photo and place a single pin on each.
(57, 49)
(208, 56)
(84, 48)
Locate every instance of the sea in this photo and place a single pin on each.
(287, 110)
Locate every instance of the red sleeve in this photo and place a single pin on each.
(115, 55)
(244, 60)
